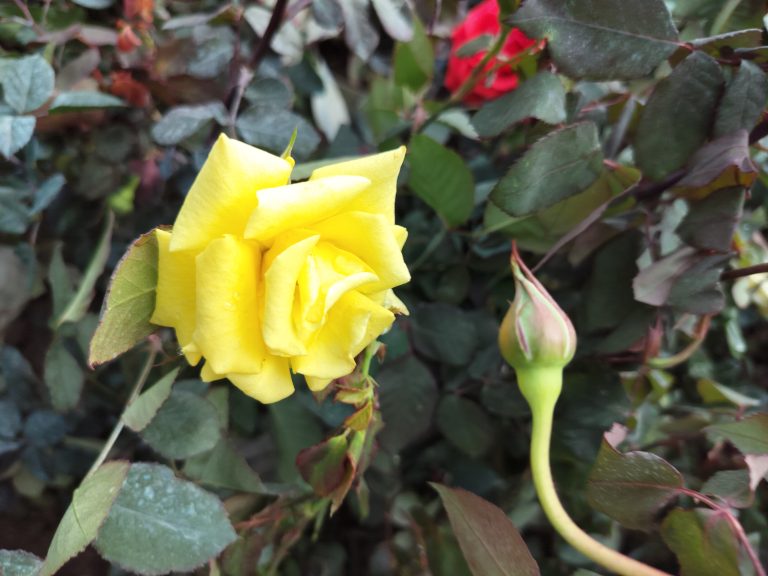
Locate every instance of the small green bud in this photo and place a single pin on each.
(535, 332)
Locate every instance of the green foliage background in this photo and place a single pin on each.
(630, 164)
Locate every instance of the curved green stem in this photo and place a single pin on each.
(541, 387)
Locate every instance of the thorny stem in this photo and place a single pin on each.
(140, 381)
(737, 528)
(542, 385)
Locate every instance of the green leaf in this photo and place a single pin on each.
(542, 97)
(711, 222)
(703, 542)
(722, 163)
(293, 428)
(129, 302)
(558, 166)
(395, 17)
(678, 116)
(83, 100)
(743, 101)
(271, 127)
(715, 393)
(732, 486)
(15, 132)
(78, 305)
(360, 35)
(184, 426)
(750, 435)
(269, 92)
(326, 466)
(223, 467)
(47, 192)
(601, 39)
(94, 4)
(27, 82)
(631, 488)
(491, 544)
(19, 563)
(444, 333)
(408, 395)
(90, 505)
(414, 61)
(160, 524)
(62, 290)
(182, 122)
(63, 376)
(465, 425)
(440, 177)
(478, 44)
(139, 413)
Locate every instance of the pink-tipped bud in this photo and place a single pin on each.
(535, 332)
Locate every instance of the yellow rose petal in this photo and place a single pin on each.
(389, 300)
(272, 384)
(224, 193)
(175, 300)
(317, 384)
(373, 240)
(300, 205)
(382, 170)
(227, 330)
(207, 373)
(280, 282)
(351, 325)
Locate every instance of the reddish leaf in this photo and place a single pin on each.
(491, 544)
(631, 487)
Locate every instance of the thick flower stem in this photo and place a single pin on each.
(541, 387)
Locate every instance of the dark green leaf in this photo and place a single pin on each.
(440, 178)
(45, 428)
(631, 488)
(19, 563)
(94, 4)
(10, 420)
(129, 302)
(160, 524)
(703, 542)
(139, 413)
(47, 192)
(223, 467)
(27, 82)
(720, 44)
(15, 132)
(560, 165)
(184, 426)
(408, 395)
(715, 393)
(182, 122)
(710, 223)
(475, 46)
(59, 279)
(490, 543)
(749, 435)
(465, 425)
(732, 486)
(678, 116)
(269, 92)
(743, 101)
(601, 39)
(271, 128)
(542, 97)
(293, 429)
(722, 163)
(63, 376)
(90, 505)
(414, 61)
(444, 333)
(68, 101)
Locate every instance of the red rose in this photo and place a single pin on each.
(483, 19)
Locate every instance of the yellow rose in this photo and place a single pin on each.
(261, 277)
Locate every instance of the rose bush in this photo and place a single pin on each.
(261, 277)
(483, 19)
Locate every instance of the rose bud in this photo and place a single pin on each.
(535, 332)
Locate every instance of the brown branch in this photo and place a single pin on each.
(740, 272)
(274, 23)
